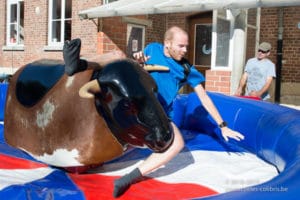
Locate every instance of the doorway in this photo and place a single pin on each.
(200, 34)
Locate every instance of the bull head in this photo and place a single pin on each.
(125, 96)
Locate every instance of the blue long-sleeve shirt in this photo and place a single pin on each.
(169, 82)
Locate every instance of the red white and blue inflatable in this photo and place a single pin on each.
(266, 165)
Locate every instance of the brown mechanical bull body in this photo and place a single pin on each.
(45, 116)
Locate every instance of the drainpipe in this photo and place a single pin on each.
(279, 56)
(238, 54)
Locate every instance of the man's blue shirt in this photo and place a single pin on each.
(169, 82)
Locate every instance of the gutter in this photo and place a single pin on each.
(279, 56)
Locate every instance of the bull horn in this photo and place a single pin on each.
(155, 68)
(89, 89)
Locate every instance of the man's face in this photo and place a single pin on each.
(262, 54)
(177, 47)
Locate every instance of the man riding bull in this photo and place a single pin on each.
(170, 54)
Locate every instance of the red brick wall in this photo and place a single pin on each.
(2, 29)
(251, 34)
(178, 19)
(113, 34)
(291, 45)
(155, 33)
(269, 29)
(85, 29)
(36, 33)
(218, 81)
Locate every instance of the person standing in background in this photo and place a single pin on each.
(258, 74)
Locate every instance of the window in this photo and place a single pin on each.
(203, 44)
(221, 41)
(15, 22)
(135, 38)
(223, 38)
(60, 21)
(234, 30)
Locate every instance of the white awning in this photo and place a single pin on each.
(143, 7)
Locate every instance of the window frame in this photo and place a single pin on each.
(129, 27)
(220, 14)
(225, 16)
(197, 61)
(9, 41)
(63, 18)
(108, 1)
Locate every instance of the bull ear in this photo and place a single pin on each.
(89, 89)
(155, 68)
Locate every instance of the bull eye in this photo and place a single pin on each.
(108, 97)
(126, 104)
(130, 107)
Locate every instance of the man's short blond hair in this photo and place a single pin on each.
(169, 34)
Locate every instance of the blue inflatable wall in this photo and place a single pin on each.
(3, 90)
(271, 131)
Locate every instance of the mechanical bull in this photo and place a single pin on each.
(46, 117)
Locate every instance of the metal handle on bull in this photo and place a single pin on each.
(89, 89)
(155, 68)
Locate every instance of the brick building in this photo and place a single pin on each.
(32, 30)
